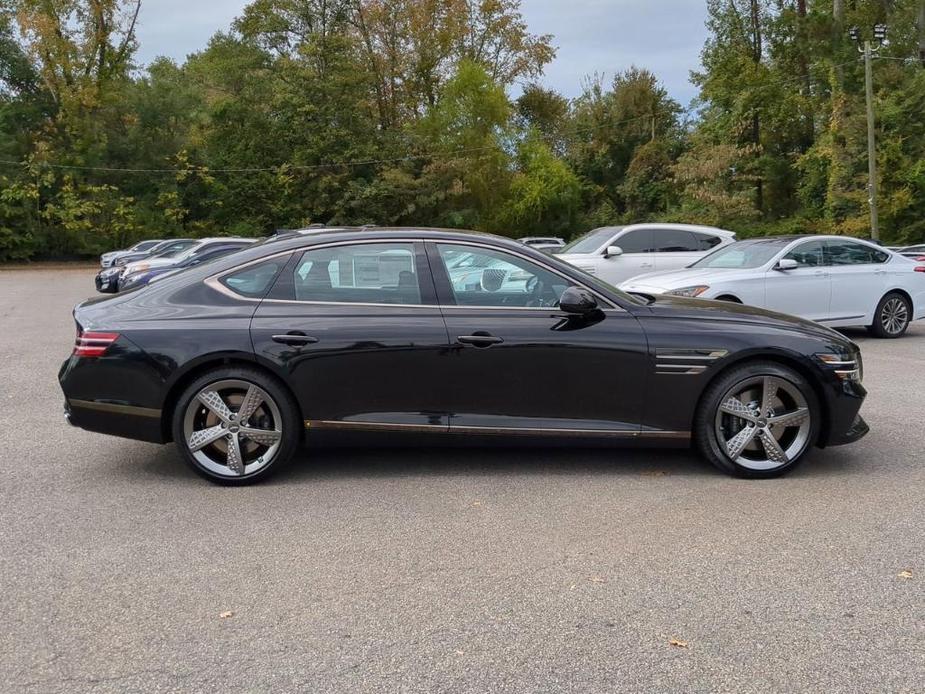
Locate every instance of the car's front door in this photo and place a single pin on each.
(355, 329)
(859, 278)
(518, 363)
(635, 259)
(805, 290)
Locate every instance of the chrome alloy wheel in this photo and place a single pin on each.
(763, 423)
(233, 428)
(894, 316)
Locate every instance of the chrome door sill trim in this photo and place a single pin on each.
(466, 429)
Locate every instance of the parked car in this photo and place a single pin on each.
(107, 279)
(322, 333)
(140, 274)
(109, 259)
(615, 254)
(836, 280)
(916, 252)
(543, 243)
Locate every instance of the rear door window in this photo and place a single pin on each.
(368, 273)
(675, 241)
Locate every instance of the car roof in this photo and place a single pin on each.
(679, 227)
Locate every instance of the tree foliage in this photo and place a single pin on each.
(431, 112)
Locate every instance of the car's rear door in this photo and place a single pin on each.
(674, 248)
(519, 364)
(355, 330)
(859, 278)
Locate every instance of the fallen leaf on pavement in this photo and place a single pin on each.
(905, 573)
(226, 614)
(677, 643)
(597, 579)
(476, 503)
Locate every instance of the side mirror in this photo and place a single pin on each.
(613, 251)
(785, 264)
(578, 301)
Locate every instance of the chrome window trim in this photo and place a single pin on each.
(214, 281)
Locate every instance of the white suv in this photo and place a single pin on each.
(616, 254)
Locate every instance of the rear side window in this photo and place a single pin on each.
(254, 280)
(367, 273)
(675, 241)
(635, 241)
(706, 241)
(851, 253)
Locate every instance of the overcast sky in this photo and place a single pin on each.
(604, 36)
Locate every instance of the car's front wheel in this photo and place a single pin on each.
(891, 319)
(236, 425)
(757, 420)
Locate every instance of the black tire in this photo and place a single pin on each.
(706, 418)
(893, 306)
(208, 462)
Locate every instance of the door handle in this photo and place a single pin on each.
(821, 273)
(295, 338)
(479, 340)
(645, 265)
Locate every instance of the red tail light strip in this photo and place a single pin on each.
(91, 344)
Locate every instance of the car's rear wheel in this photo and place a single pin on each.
(891, 319)
(236, 425)
(758, 420)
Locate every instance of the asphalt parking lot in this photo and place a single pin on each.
(450, 570)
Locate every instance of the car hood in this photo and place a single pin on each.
(667, 280)
(151, 264)
(573, 257)
(705, 309)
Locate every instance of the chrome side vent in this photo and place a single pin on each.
(686, 362)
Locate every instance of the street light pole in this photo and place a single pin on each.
(871, 143)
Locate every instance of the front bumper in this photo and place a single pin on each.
(858, 430)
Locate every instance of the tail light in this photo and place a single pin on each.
(93, 344)
(919, 258)
(920, 268)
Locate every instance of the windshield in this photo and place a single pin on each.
(591, 241)
(144, 245)
(744, 254)
(175, 250)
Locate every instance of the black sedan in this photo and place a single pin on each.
(366, 333)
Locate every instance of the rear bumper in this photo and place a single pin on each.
(121, 395)
(115, 419)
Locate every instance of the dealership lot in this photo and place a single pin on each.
(451, 570)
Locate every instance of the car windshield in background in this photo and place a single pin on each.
(744, 254)
(591, 241)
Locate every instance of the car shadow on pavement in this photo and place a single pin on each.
(318, 463)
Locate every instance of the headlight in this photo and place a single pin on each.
(689, 291)
(846, 367)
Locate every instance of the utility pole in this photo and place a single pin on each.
(868, 51)
(871, 144)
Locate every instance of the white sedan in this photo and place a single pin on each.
(835, 280)
(615, 254)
